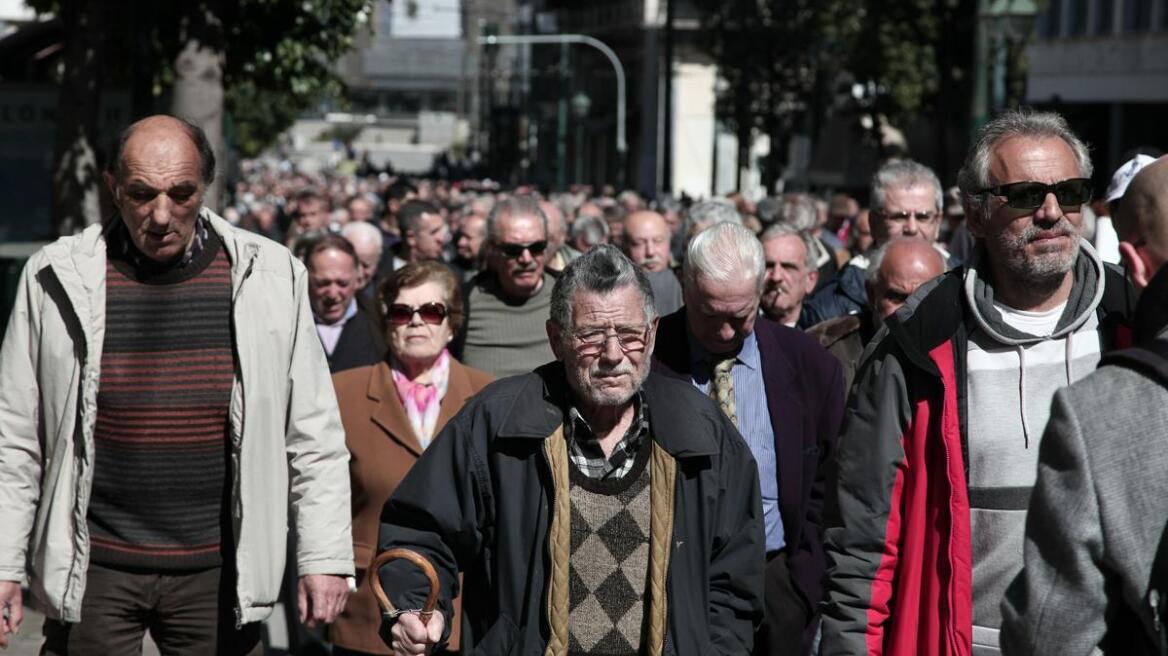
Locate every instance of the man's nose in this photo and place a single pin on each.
(1050, 210)
(726, 332)
(910, 226)
(612, 352)
(161, 212)
(525, 256)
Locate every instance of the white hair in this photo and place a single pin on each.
(903, 174)
(360, 231)
(780, 230)
(725, 251)
(710, 212)
(974, 176)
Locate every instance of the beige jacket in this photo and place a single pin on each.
(288, 448)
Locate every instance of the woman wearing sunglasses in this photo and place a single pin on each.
(391, 412)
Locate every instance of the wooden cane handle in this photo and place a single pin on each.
(414, 557)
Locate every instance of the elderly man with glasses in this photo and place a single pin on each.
(906, 201)
(940, 445)
(592, 507)
(508, 302)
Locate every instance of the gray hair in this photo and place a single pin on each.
(903, 173)
(975, 173)
(592, 228)
(787, 230)
(514, 206)
(723, 251)
(799, 212)
(361, 231)
(603, 269)
(710, 212)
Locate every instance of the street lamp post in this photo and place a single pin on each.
(581, 103)
(536, 39)
(1002, 26)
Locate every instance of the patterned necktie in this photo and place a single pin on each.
(722, 388)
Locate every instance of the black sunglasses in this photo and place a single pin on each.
(1030, 195)
(536, 248)
(400, 314)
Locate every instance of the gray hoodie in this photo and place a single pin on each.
(1012, 377)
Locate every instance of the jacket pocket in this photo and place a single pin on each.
(499, 640)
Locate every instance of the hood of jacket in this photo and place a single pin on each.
(1086, 292)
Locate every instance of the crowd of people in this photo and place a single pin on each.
(920, 422)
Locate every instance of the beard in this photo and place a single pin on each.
(586, 383)
(1045, 270)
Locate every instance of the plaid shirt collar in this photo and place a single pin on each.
(584, 449)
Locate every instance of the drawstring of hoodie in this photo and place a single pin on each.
(1068, 367)
(1022, 393)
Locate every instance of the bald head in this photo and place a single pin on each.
(895, 271)
(557, 231)
(646, 240)
(1142, 222)
(163, 130)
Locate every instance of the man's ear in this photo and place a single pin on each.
(555, 338)
(975, 216)
(812, 280)
(111, 183)
(1137, 270)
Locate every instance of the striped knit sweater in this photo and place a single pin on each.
(161, 474)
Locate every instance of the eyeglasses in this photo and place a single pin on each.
(1030, 195)
(400, 314)
(536, 248)
(921, 217)
(593, 342)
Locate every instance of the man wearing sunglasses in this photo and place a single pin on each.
(507, 304)
(940, 447)
(1103, 476)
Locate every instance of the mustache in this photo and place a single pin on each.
(775, 286)
(1063, 228)
(622, 369)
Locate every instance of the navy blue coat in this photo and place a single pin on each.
(805, 396)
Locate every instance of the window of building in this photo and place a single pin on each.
(1076, 17)
(1050, 20)
(1137, 15)
(1104, 17)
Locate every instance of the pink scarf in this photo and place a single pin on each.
(422, 400)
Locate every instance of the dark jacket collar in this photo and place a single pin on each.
(537, 410)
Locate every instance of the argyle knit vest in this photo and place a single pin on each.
(609, 563)
(160, 484)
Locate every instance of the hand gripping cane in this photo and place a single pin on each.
(414, 557)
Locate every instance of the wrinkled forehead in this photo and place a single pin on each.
(620, 307)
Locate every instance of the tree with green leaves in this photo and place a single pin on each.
(261, 61)
(779, 60)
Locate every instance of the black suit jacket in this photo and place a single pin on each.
(805, 397)
(360, 344)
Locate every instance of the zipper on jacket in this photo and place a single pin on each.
(548, 540)
(1158, 622)
(237, 442)
(246, 275)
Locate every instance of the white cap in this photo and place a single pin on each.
(1124, 174)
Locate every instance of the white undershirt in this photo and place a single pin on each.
(1039, 324)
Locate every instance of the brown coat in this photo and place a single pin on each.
(383, 447)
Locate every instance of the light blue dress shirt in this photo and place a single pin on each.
(754, 422)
